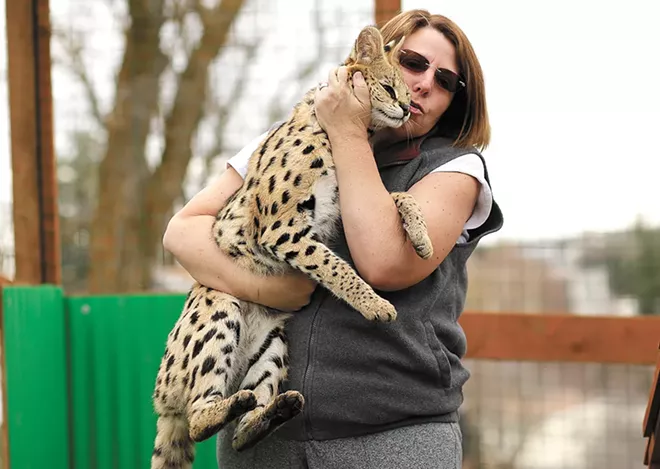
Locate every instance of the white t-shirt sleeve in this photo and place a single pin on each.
(472, 165)
(469, 164)
(241, 159)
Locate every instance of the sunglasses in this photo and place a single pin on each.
(417, 63)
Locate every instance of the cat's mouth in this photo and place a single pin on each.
(383, 119)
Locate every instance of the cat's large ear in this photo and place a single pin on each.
(368, 47)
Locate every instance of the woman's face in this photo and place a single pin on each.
(429, 100)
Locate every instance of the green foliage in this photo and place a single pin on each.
(634, 267)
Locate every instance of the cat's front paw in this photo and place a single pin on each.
(378, 309)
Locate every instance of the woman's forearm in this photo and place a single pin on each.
(189, 239)
(370, 218)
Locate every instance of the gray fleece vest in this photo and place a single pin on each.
(360, 377)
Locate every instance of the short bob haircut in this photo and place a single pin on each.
(466, 119)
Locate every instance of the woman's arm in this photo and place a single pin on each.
(188, 237)
(378, 244)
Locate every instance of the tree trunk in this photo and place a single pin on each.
(133, 204)
(123, 169)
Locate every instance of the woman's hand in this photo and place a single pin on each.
(290, 292)
(342, 109)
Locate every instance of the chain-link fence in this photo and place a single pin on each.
(202, 81)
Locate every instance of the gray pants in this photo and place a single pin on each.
(427, 446)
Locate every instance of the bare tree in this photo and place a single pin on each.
(134, 198)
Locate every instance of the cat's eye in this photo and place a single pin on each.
(389, 90)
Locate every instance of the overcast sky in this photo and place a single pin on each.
(573, 94)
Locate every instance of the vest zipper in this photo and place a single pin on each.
(307, 423)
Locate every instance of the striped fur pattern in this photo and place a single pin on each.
(226, 358)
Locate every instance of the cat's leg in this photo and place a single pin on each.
(305, 253)
(211, 341)
(267, 368)
(413, 223)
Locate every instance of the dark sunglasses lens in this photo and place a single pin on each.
(413, 63)
(447, 80)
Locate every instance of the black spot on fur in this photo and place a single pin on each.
(210, 333)
(310, 250)
(227, 349)
(282, 239)
(297, 142)
(194, 317)
(170, 362)
(208, 365)
(186, 340)
(265, 375)
(317, 163)
(297, 237)
(287, 175)
(271, 184)
(199, 345)
(270, 163)
(274, 208)
(285, 197)
(290, 255)
(193, 377)
(297, 180)
(309, 204)
(276, 225)
(218, 315)
(277, 361)
(308, 149)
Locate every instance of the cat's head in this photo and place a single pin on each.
(390, 97)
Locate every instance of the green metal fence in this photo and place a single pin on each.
(79, 376)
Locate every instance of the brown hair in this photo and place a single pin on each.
(466, 119)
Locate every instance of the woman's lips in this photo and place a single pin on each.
(416, 108)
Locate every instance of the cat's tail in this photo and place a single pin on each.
(173, 448)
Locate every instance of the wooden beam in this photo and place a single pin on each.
(35, 214)
(385, 10)
(565, 338)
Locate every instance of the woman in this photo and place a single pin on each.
(377, 395)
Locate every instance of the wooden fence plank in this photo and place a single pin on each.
(33, 162)
(566, 338)
(384, 10)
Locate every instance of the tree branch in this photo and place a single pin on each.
(222, 111)
(164, 185)
(73, 48)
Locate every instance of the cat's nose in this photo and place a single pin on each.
(406, 108)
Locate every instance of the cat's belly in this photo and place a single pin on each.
(326, 214)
